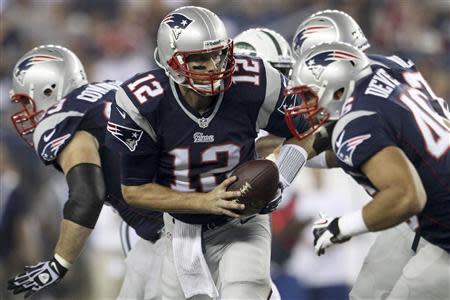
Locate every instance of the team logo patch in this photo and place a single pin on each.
(345, 149)
(178, 23)
(22, 68)
(287, 102)
(308, 31)
(129, 136)
(52, 148)
(317, 63)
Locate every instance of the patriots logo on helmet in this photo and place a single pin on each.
(345, 149)
(51, 150)
(178, 23)
(306, 32)
(28, 62)
(319, 61)
(128, 136)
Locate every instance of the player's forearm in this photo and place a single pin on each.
(391, 207)
(157, 197)
(71, 240)
(267, 144)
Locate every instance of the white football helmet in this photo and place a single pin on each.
(325, 77)
(328, 26)
(195, 30)
(267, 44)
(40, 79)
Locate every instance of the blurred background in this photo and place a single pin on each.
(115, 39)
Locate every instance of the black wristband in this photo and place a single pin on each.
(58, 268)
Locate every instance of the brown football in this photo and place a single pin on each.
(258, 182)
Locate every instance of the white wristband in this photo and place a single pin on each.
(62, 261)
(318, 161)
(292, 158)
(352, 224)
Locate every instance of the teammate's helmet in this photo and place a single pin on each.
(40, 79)
(325, 77)
(267, 44)
(195, 30)
(328, 26)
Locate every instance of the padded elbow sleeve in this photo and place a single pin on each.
(86, 194)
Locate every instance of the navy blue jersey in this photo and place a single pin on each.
(163, 140)
(88, 108)
(394, 106)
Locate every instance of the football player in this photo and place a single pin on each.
(64, 117)
(391, 138)
(272, 47)
(180, 130)
(379, 271)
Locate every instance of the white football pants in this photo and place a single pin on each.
(238, 256)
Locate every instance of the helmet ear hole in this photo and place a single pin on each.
(49, 90)
(338, 94)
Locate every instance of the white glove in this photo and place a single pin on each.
(326, 233)
(37, 277)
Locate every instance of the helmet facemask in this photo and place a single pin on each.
(309, 107)
(191, 66)
(283, 68)
(26, 119)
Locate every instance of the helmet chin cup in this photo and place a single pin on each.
(26, 119)
(309, 107)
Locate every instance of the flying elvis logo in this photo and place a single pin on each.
(317, 63)
(308, 31)
(128, 136)
(28, 62)
(51, 149)
(177, 22)
(345, 149)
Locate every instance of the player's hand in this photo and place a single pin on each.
(273, 204)
(219, 201)
(326, 233)
(37, 277)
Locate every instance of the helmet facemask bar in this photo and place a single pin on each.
(179, 64)
(283, 68)
(26, 120)
(309, 107)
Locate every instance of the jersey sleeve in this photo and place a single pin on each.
(128, 131)
(271, 112)
(359, 135)
(131, 134)
(54, 132)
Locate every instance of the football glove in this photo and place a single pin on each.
(37, 277)
(326, 233)
(273, 204)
